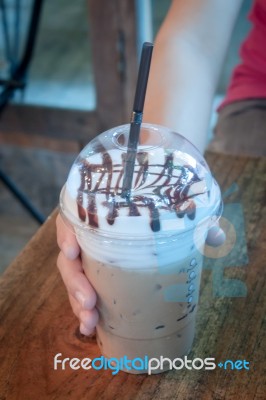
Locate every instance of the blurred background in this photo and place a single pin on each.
(59, 102)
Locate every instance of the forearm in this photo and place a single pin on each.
(181, 97)
(188, 55)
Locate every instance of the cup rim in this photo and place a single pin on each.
(74, 224)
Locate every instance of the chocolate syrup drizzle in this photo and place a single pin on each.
(164, 195)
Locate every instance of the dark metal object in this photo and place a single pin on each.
(19, 69)
(23, 199)
(17, 81)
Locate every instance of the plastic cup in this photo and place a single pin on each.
(142, 254)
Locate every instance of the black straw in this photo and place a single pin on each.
(136, 118)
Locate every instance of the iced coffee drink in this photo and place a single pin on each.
(143, 253)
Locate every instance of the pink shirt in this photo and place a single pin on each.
(249, 77)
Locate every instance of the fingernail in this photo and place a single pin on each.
(85, 331)
(80, 298)
(69, 251)
(215, 237)
(85, 302)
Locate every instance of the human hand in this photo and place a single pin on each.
(81, 295)
(216, 236)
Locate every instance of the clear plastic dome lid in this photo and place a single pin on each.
(172, 187)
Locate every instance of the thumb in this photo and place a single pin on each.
(216, 236)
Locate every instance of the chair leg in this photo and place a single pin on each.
(25, 202)
(17, 81)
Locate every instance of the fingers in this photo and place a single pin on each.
(66, 239)
(76, 282)
(76, 306)
(82, 297)
(88, 319)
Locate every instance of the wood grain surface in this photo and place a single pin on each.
(114, 58)
(37, 322)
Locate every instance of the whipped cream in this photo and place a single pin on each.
(171, 191)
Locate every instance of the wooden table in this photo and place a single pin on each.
(37, 322)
